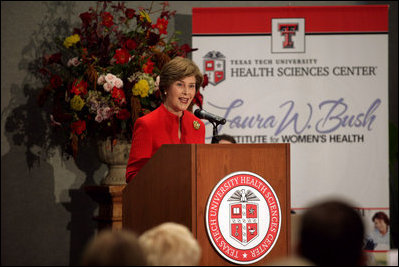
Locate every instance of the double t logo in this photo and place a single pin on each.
(287, 30)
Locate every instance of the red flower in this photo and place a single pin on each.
(205, 81)
(44, 71)
(186, 49)
(123, 114)
(130, 13)
(162, 25)
(165, 4)
(78, 127)
(107, 19)
(198, 99)
(55, 58)
(148, 67)
(79, 87)
(55, 81)
(118, 95)
(130, 44)
(122, 56)
(152, 38)
(167, 14)
(86, 18)
(85, 54)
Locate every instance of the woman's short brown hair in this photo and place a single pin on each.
(177, 69)
(114, 248)
(382, 216)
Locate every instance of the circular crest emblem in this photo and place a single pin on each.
(243, 217)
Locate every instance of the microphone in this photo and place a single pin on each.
(202, 114)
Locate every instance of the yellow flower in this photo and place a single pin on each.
(141, 88)
(150, 80)
(71, 40)
(77, 103)
(144, 15)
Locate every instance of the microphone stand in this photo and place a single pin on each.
(215, 132)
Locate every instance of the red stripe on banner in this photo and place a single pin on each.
(372, 208)
(318, 19)
(384, 208)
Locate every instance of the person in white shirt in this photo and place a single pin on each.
(380, 236)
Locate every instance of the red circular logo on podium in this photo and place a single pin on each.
(243, 217)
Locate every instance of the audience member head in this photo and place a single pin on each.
(223, 139)
(170, 244)
(331, 233)
(114, 248)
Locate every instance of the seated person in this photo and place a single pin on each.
(170, 244)
(379, 238)
(223, 139)
(114, 248)
(332, 233)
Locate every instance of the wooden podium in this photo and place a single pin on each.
(177, 181)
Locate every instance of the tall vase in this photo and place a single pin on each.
(116, 157)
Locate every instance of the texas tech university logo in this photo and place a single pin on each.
(288, 30)
(243, 217)
(215, 67)
(288, 35)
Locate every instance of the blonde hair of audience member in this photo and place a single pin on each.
(114, 248)
(170, 244)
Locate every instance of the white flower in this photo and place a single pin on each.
(73, 62)
(118, 83)
(110, 78)
(94, 106)
(99, 118)
(101, 79)
(106, 112)
(134, 76)
(103, 113)
(108, 87)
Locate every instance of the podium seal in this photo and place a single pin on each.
(243, 217)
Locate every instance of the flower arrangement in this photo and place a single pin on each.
(104, 75)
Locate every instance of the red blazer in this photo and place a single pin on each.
(157, 128)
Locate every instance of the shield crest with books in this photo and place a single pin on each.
(244, 218)
(214, 67)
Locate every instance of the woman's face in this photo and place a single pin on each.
(180, 94)
(380, 225)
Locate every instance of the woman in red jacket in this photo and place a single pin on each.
(170, 123)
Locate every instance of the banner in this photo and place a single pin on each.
(315, 77)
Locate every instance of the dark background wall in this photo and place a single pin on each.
(46, 217)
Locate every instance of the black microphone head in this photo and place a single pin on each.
(197, 113)
(202, 114)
